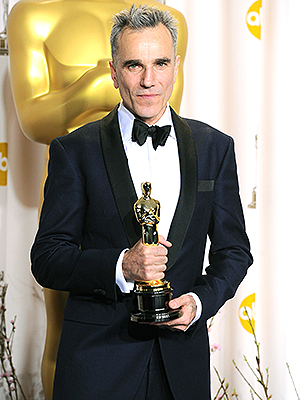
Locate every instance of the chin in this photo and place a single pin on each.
(147, 114)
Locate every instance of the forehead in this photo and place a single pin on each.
(155, 41)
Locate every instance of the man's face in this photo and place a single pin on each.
(145, 71)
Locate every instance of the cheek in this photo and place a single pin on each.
(168, 85)
(126, 86)
(167, 81)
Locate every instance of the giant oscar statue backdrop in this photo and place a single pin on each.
(60, 76)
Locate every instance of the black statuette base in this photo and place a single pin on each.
(163, 316)
(153, 299)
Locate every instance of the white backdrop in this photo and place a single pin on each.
(249, 88)
(18, 207)
(224, 61)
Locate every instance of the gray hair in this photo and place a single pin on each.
(140, 18)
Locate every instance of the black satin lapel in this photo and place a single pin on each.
(119, 175)
(188, 190)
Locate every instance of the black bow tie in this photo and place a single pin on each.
(159, 135)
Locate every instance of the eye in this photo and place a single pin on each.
(134, 66)
(161, 63)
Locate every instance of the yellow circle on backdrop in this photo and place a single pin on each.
(3, 164)
(253, 19)
(247, 306)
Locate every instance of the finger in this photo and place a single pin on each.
(174, 303)
(164, 242)
(173, 326)
(155, 257)
(182, 301)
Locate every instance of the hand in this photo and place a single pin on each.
(146, 263)
(188, 309)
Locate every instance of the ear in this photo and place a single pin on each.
(113, 74)
(177, 62)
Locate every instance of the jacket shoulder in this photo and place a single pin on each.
(85, 133)
(205, 131)
(88, 133)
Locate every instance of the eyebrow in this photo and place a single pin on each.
(130, 62)
(158, 60)
(163, 60)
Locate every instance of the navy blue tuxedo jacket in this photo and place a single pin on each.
(87, 219)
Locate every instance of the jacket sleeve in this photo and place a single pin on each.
(229, 254)
(58, 260)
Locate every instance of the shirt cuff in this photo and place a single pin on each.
(198, 309)
(124, 285)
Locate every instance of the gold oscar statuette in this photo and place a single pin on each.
(152, 296)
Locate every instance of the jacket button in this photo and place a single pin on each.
(100, 291)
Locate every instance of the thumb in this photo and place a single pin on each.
(174, 303)
(164, 242)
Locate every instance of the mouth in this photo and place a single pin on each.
(147, 96)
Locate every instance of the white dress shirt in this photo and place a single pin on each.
(161, 168)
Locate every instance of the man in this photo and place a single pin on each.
(60, 83)
(89, 241)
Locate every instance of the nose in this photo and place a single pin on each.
(148, 78)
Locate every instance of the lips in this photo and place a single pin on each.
(147, 96)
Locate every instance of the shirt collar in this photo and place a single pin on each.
(126, 119)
